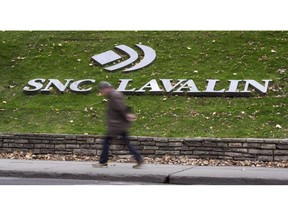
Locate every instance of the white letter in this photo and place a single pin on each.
(257, 86)
(75, 86)
(153, 85)
(167, 84)
(233, 86)
(123, 85)
(210, 88)
(188, 85)
(34, 83)
(57, 84)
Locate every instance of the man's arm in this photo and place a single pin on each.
(118, 104)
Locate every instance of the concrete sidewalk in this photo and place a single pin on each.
(150, 173)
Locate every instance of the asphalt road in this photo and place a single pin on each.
(50, 181)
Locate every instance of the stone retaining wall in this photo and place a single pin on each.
(213, 148)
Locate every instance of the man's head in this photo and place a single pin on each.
(105, 88)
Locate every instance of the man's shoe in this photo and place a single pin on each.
(100, 165)
(138, 165)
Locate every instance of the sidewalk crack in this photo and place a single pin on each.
(167, 179)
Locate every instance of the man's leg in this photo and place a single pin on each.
(132, 150)
(105, 151)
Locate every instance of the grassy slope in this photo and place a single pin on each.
(219, 55)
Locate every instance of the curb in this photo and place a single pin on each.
(160, 174)
(168, 180)
(29, 174)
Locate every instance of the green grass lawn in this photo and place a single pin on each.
(202, 55)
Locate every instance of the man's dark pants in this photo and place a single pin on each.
(105, 151)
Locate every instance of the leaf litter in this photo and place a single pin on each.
(165, 159)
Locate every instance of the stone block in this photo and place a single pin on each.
(28, 146)
(280, 152)
(233, 140)
(254, 140)
(59, 138)
(117, 147)
(163, 152)
(215, 140)
(136, 143)
(193, 140)
(140, 147)
(282, 146)
(242, 150)
(49, 146)
(81, 138)
(90, 140)
(39, 145)
(251, 145)
(146, 143)
(192, 144)
(260, 151)
(162, 144)
(147, 152)
(34, 141)
(207, 157)
(6, 150)
(217, 153)
(36, 151)
(225, 157)
(201, 152)
(268, 146)
(47, 151)
(84, 146)
(60, 147)
(235, 145)
(265, 158)
(55, 142)
(182, 148)
(175, 144)
(80, 142)
(133, 138)
(69, 141)
(281, 158)
(7, 136)
(209, 144)
(84, 152)
(160, 139)
(151, 147)
(64, 152)
(204, 148)
(70, 137)
(243, 158)
(175, 139)
(72, 145)
(144, 139)
(99, 141)
(271, 141)
(9, 141)
(121, 152)
(224, 145)
(96, 146)
(16, 145)
(283, 141)
(251, 156)
(186, 152)
(233, 154)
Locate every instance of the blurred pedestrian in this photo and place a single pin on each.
(118, 122)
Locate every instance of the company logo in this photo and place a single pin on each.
(129, 60)
(110, 56)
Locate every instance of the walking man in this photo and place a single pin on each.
(118, 123)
